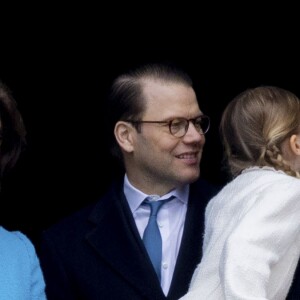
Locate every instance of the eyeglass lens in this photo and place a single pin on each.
(179, 126)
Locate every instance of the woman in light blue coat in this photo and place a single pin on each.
(21, 277)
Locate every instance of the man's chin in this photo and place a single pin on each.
(190, 178)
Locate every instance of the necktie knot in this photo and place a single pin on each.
(155, 206)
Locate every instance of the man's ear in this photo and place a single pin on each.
(295, 144)
(123, 132)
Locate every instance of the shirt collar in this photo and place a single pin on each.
(135, 197)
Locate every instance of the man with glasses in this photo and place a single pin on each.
(159, 135)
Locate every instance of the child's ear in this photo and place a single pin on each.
(295, 144)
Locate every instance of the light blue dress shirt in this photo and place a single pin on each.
(170, 220)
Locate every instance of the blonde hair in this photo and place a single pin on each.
(255, 124)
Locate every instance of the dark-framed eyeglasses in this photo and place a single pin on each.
(178, 127)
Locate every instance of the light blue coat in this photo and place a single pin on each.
(21, 277)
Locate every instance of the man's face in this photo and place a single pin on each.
(160, 161)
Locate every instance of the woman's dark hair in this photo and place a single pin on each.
(12, 131)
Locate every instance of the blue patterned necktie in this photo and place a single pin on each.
(152, 238)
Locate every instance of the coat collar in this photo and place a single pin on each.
(116, 239)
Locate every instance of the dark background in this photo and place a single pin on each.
(59, 63)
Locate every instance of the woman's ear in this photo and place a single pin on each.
(123, 132)
(295, 144)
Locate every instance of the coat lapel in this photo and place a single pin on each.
(116, 239)
(190, 252)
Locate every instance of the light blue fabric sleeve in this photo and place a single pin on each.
(20, 272)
